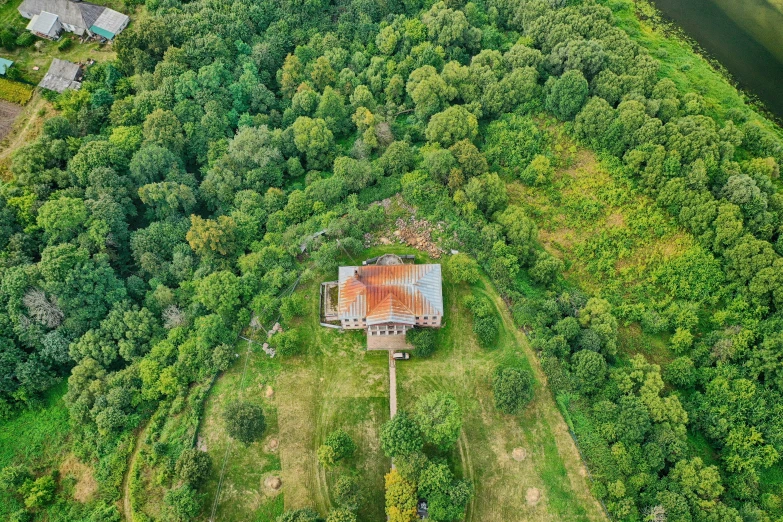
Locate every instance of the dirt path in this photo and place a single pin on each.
(392, 385)
(23, 133)
(566, 448)
(127, 509)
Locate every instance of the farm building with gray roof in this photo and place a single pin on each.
(49, 17)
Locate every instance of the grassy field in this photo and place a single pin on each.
(338, 384)
(611, 237)
(24, 128)
(37, 438)
(615, 242)
(335, 385)
(484, 450)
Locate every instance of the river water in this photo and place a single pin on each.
(746, 36)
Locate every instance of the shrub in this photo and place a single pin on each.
(65, 44)
(680, 372)
(423, 340)
(21, 515)
(440, 419)
(244, 421)
(463, 269)
(292, 306)
(193, 466)
(8, 38)
(486, 325)
(299, 515)
(538, 172)
(512, 388)
(400, 498)
(12, 477)
(222, 357)
(287, 343)
(184, 503)
(39, 492)
(568, 328)
(546, 269)
(25, 39)
(346, 492)
(337, 446)
(682, 340)
(341, 515)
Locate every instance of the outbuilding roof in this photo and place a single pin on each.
(109, 23)
(4, 65)
(43, 23)
(62, 75)
(383, 294)
(77, 14)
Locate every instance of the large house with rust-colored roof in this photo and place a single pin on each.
(388, 298)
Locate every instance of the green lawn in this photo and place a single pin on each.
(488, 438)
(37, 438)
(338, 384)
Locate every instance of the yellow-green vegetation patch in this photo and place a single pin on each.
(15, 92)
(612, 239)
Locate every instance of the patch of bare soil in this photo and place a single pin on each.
(8, 113)
(86, 485)
(615, 220)
(272, 445)
(533, 496)
(269, 393)
(272, 485)
(519, 454)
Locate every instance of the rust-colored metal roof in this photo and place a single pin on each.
(383, 294)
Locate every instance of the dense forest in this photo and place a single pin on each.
(165, 206)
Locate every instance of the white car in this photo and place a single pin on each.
(401, 356)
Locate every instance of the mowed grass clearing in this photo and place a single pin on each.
(338, 384)
(484, 450)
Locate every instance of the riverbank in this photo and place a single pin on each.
(748, 51)
(687, 63)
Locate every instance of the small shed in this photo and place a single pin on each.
(4, 65)
(62, 75)
(45, 25)
(109, 24)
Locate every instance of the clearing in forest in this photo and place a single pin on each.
(611, 238)
(338, 384)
